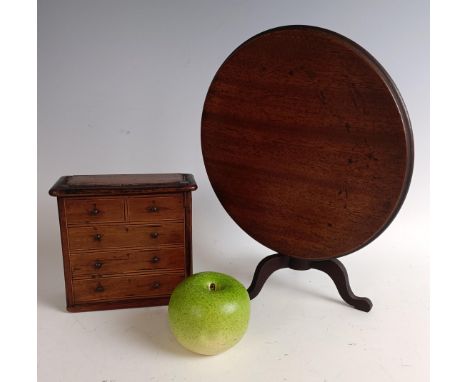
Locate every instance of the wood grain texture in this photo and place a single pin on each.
(65, 251)
(126, 287)
(96, 264)
(124, 247)
(188, 233)
(156, 208)
(121, 184)
(95, 237)
(118, 304)
(306, 142)
(95, 210)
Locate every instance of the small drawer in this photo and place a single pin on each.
(120, 262)
(149, 209)
(88, 211)
(124, 235)
(115, 288)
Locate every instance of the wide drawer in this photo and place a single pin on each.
(119, 262)
(125, 235)
(94, 210)
(115, 288)
(148, 209)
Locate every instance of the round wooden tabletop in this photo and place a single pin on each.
(307, 142)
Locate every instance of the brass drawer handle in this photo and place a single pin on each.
(153, 209)
(94, 212)
(99, 288)
(154, 235)
(156, 285)
(98, 237)
(97, 264)
(155, 260)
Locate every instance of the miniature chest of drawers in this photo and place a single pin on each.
(126, 239)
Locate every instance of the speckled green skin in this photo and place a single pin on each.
(205, 321)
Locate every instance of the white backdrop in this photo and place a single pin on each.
(121, 87)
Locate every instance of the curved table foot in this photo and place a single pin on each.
(264, 269)
(337, 272)
(333, 268)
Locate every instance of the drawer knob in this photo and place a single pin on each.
(154, 235)
(153, 209)
(97, 264)
(155, 260)
(156, 285)
(98, 237)
(99, 288)
(94, 212)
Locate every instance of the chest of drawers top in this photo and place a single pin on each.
(126, 239)
(123, 184)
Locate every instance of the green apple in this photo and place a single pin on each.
(209, 312)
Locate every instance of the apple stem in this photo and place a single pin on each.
(212, 286)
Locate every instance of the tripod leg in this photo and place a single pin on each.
(264, 269)
(337, 271)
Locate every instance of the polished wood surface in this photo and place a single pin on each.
(125, 236)
(306, 142)
(119, 304)
(332, 267)
(122, 184)
(124, 247)
(96, 210)
(156, 208)
(127, 287)
(108, 263)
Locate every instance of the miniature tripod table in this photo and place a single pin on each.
(308, 146)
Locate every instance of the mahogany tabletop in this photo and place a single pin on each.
(307, 142)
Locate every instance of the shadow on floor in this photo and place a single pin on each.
(150, 327)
